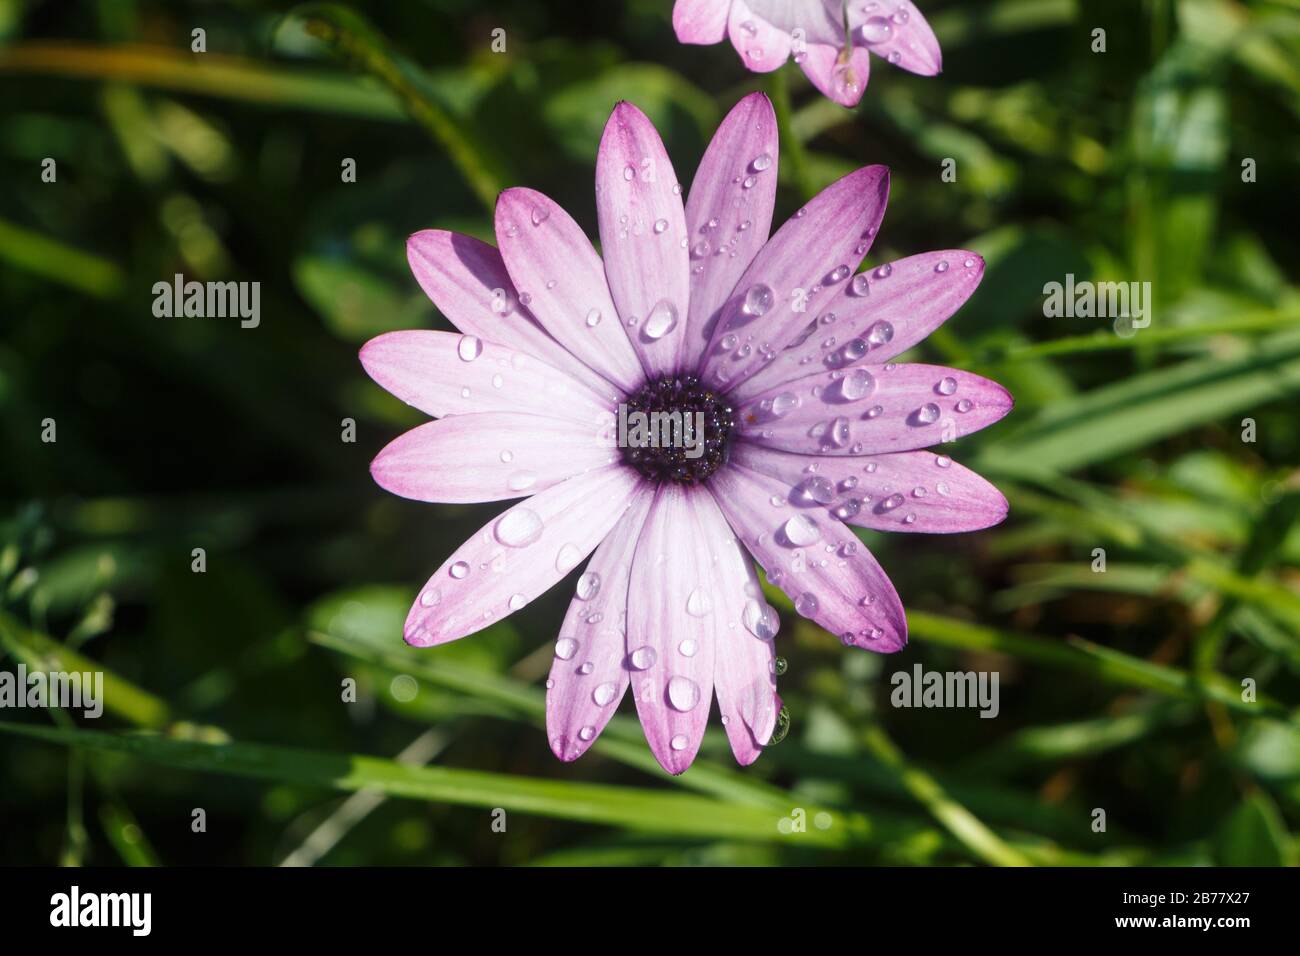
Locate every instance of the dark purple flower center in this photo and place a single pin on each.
(675, 429)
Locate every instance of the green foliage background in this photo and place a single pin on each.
(1120, 690)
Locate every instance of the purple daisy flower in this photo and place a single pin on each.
(776, 349)
(829, 39)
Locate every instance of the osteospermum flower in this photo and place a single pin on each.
(830, 39)
(808, 426)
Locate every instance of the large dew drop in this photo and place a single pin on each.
(856, 384)
(759, 299)
(518, 528)
(802, 531)
(661, 320)
(683, 693)
(698, 603)
(469, 347)
(760, 620)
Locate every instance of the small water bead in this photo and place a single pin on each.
(761, 162)
(687, 648)
(840, 273)
(540, 215)
(742, 228)
(586, 668)
(521, 480)
(458, 570)
(943, 461)
(779, 666)
(749, 182)
(839, 431)
(593, 318)
(629, 172)
(525, 297)
(661, 320)
(870, 468)
(849, 483)
(853, 350)
(784, 403)
(892, 502)
(861, 285)
(517, 601)
(586, 733)
(877, 30)
(759, 299)
(965, 405)
(469, 348)
(901, 15)
(644, 657)
(801, 530)
(602, 695)
(806, 605)
(910, 519)
(698, 603)
(713, 223)
(776, 501)
(918, 492)
(817, 490)
(942, 266)
(947, 385)
(701, 249)
(430, 598)
(848, 549)
(942, 488)
(661, 225)
(567, 557)
(588, 586)
(677, 189)
(969, 263)
(857, 384)
(497, 381)
(881, 333)
(565, 648)
(549, 683)
(847, 509)
(875, 411)
(928, 413)
(683, 693)
(760, 619)
(518, 527)
(679, 742)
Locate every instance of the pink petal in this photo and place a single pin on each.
(590, 670)
(520, 554)
(744, 671)
(872, 410)
(489, 456)
(828, 573)
(762, 47)
(819, 21)
(910, 491)
(910, 44)
(728, 220)
(907, 300)
(442, 373)
(843, 82)
(562, 280)
(643, 238)
(467, 280)
(808, 260)
(672, 625)
(700, 21)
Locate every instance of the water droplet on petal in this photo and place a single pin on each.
(518, 527)
(880, 334)
(644, 657)
(588, 585)
(683, 693)
(857, 384)
(806, 604)
(759, 299)
(761, 620)
(928, 413)
(698, 603)
(602, 695)
(801, 530)
(469, 347)
(947, 385)
(458, 570)
(565, 648)
(661, 320)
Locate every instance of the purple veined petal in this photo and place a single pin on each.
(490, 456)
(643, 238)
(762, 47)
(899, 34)
(838, 77)
(822, 21)
(879, 314)
(809, 260)
(590, 671)
(729, 212)
(744, 670)
(442, 373)
(672, 622)
(872, 410)
(467, 280)
(828, 573)
(562, 281)
(923, 491)
(519, 554)
(700, 21)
